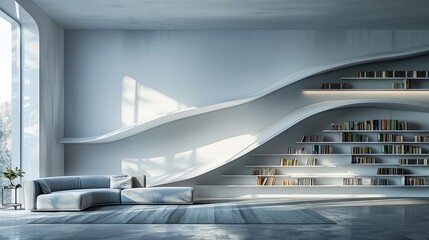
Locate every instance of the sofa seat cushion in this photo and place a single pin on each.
(76, 200)
(158, 195)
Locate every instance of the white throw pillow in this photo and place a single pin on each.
(120, 182)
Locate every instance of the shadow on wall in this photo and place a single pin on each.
(141, 103)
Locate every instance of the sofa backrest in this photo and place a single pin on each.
(77, 182)
(94, 182)
(62, 183)
(84, 182)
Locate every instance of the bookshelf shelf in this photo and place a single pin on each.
(306, 154)
(314, 186)
(377, 131)
(367, 164)
(381, 78)
(364, 90)
(339, 154)
(296, 166)
(249, 175)
(388, 154)
(330, 175)
(348, 143)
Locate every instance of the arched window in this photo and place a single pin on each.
(10, 93)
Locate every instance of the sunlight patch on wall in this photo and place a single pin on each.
(141, 103)
(186, 160)
(150, 167)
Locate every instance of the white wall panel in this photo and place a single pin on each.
(117, 78)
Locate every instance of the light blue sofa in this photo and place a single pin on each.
(76, 193)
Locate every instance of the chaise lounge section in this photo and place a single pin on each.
(76, 193)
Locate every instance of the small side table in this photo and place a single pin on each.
(11, 188)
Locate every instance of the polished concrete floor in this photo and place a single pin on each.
(399, 218)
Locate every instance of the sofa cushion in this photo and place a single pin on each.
(76, 200)
(44, 186)
(120, 182)
(139, 181)
(158, 195)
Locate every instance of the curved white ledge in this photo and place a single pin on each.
(287, 122)
(189, 112)
(144, 126)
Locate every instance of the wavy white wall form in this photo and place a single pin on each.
(192, 146)
(123, 83)
(136, 128)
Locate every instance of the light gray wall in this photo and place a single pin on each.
(51, 50)
(98, 61)
(116, 78)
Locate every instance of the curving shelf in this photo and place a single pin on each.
(295, 166)
(314, 90)
(377, 131)
(313, 186)
(352, 143)
(381, 79)
(267, 134)
(189, 112)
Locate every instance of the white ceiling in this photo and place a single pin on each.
(237, 14)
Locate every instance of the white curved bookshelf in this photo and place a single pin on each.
(387, 171)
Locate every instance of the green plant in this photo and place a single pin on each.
(11, 174)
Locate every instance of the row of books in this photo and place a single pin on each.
(295, 162)
(352, 137)
(352, 181)
(265, 181)
(299, 181)
(405, 84)
(418, 161)
(410, 181)
(366, 181)
(322, 149)
(265, 171)
(288, 162)
(312, 162)
(421, 138)
(336, 86)
(371, 125)
(389, 137)
(391, 74)
(391, 171)
(292, 150)
(362, 160)
(313, 138)
(400, 149)
(305, 181)
(378, 181)
(361, 150)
